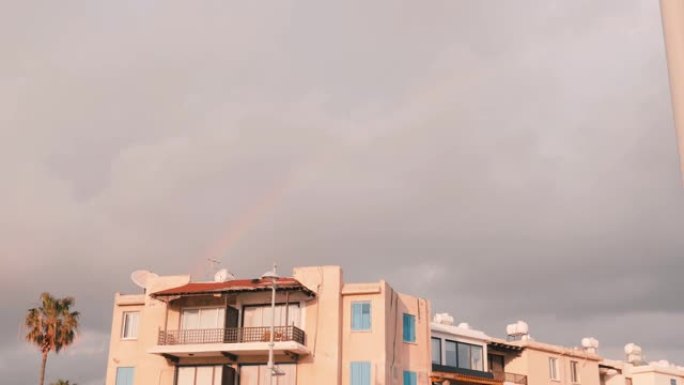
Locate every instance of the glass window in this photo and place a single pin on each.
(203, 318)
(574, 377)
(450, 353)
(259, 316)
(553, 368)
(409, 328)
(199, 375)
(360, 373)
(673, 381)
(463, 356)
(410, 378)
(131, 319)
(124, 376)
(476, 358)
(437, 351)
(361, 316)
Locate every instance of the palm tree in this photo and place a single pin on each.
(51, 327)
(62, 382)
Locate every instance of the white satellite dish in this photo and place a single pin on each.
(223, 275)
(141, 277)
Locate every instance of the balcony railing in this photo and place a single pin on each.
(230, 335)
(510, 377)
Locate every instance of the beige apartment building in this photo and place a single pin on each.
(460, 355)
(541, 363)
(325, 331)
(635, 371)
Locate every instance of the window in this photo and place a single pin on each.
(450, 353)
(131, 319)
(360, 373)
(410, 378)
(553, 368)
(470, 357)
(203, 318)
(261, 375)
(361, 316)
(124, 376)
(673, 381)
(202, 375)
(628, 381)
(258, 316)
(574, 376)
(436, 351)
(409, 328)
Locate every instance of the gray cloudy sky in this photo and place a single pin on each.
(507, 159)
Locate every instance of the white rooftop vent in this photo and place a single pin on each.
(444, 319)
(464, 325)
(634, 354)
(632, 348)
(590, 344)
(517, 330)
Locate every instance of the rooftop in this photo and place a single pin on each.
(235, 286)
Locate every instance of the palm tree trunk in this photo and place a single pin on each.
(42, 368)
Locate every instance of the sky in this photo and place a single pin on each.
(505, 159)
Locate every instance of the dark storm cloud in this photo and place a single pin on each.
(518, 158)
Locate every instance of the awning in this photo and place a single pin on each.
(235, 286)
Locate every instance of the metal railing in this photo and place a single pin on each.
(510, 377)
(230, 335)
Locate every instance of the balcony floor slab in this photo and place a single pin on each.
(238, 349)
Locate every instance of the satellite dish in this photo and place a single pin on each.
(223, 275)
(141, 277)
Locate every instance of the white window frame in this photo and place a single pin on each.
(124, 323)
(553, 369)
(574, 372)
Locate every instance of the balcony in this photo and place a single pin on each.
(230, 342)
(513, 378)
(230, 335)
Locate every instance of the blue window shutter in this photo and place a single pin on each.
(124, 376)
(366, 316)
(360, 373)
(413, 328)
(409, 331)
(410, 378)
(361, 316)
(356, 316)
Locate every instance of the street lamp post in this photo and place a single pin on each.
(273, 275)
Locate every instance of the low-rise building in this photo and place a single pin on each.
(635, 371)
(542, 363)
(459, 354)
(325, 331)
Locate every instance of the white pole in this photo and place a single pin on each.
(271, 344)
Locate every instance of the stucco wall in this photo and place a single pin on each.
(149, 369)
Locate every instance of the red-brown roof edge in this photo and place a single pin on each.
(235, 286)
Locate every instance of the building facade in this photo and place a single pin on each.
(636, 371)
(325, 331)
(673, 27)
(545, 364)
